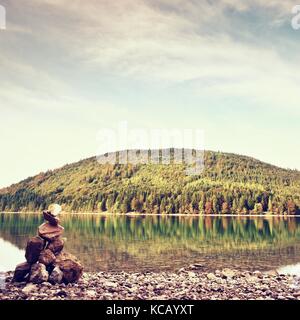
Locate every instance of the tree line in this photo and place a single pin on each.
(230, 184)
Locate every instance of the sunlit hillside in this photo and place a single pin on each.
(229, 184)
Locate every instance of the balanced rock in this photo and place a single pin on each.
(50, 218)
(56, 276)
(38, 273)
(70, 266)
(33, 249)
(56, 245)
(46, 260)
(47, 257)
(22, 272)
(54, 209)
(50, 232)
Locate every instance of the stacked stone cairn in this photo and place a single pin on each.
(46, 261)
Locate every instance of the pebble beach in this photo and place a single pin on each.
(186, 284)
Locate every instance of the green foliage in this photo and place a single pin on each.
(230, 184)
(110, 242)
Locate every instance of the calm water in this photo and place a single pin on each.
(155, 243)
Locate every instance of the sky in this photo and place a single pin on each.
(71, 68)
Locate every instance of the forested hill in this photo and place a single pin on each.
(229, 184)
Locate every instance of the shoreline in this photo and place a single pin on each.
(136, 214)
(187, 283)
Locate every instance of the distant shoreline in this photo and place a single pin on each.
(136, 214)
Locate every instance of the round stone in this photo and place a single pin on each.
(55, 209)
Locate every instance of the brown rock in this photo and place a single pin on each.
(49, 232)
(70, 266)
(21, 272)
(33, 249)
(50, 218)
(56, 245)
(47, 257)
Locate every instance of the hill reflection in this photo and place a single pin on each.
(168, 243)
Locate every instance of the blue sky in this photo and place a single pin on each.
(70, 68)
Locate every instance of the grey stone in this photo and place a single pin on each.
(29, 289)
(38, 273)
(56, 276)
(228, 273)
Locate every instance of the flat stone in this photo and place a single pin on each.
(47, 257)
(50, 218)
(29, 289)
(21, 272)
(290, 297)
(211, 276)
(49, 232)
(296, 294)
(33, 249)
(252, 279)
(62, 293)
(271, 273)
(197, 266)
(109, 284)
(258, 274)
(228, 273)
(56, 245)
(91, 293)
(191, 274)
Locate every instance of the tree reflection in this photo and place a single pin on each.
(151, 242)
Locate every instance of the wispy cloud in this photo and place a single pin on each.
(181, 41)
(159, 40)
(102, 59)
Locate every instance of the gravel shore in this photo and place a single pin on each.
(190, 283)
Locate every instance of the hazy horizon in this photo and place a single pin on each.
(69, 69)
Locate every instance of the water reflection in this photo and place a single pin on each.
(293, 269)
(10, 255)
(166, 243)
